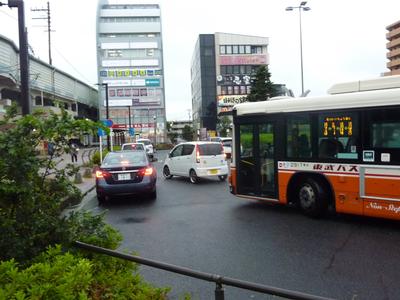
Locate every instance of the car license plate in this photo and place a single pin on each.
(213, 171)
(124, 176)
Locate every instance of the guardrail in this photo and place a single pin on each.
(217, 279)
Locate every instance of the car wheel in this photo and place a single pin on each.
(313, 199)
(101, 200)
(193, 177)
(167, 173)
(222, 177)
(153, 195)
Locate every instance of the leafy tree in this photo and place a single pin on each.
(261, 86)
(172, 136)
(223, 124)
(187, 133)
(32, 187)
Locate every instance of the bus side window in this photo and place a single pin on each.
(298, 135)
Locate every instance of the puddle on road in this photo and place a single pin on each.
(134, 220)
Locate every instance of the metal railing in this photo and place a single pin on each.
(217, 279)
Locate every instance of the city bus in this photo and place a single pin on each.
(339, 152)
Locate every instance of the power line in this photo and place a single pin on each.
(76, 70)
(47, 10)
(12, 17)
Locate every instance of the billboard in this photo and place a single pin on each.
(243, 60)
(231, 100)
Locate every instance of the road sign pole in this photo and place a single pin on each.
(111, 138)
(101, 149)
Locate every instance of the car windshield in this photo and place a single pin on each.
(146, 142)
(138, 146)
(134, 158)
(227, 143)
(210, 149)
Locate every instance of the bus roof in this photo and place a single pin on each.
(386, 97)
(386, 82)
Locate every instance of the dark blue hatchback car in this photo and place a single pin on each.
(125, 173)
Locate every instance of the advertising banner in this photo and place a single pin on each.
(243, 60)
(231, 100)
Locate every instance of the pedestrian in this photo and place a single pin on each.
(74, 152)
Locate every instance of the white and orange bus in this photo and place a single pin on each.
(339, 152)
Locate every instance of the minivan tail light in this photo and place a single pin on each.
(197, 154)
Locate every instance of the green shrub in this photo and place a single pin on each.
(164, 146)
(58, 275)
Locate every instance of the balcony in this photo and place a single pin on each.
(393, 63)
(393, 34)
(392, 44)
(393, 53)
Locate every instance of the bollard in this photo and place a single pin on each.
(219, 292)
(78, 178)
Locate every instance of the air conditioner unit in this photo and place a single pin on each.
(5, 102)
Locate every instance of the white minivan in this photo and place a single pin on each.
(196, 160)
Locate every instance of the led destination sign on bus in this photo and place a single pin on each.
(338, 126)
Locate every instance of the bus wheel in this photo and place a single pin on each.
(313, 199)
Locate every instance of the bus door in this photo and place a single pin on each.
(256, 160)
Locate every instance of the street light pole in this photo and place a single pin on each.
(155, 130)
(107, 112)
(26, 103)
(305, 8)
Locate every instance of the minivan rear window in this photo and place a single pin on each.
(210, 149)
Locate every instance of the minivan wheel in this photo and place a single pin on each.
(222, 177)
(167, 173)
(193, 176)
(101, 200)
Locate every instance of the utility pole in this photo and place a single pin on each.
(48, 18)
(26, 103)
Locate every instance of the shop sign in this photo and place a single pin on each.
(231, 100)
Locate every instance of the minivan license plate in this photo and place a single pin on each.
(213, 171)
(124, 176)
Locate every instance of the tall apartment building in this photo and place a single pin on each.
(130, 62)
(393, 46)
(221, 69)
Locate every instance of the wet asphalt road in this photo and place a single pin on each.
(205, 228)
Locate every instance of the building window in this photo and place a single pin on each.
(223, 70)
(127, 92)
(248, 49)
(248, 89)
(243, 90)
(221, 49)
(228, 49)
(235, 49)
(135, 92)
(143, 92)
(230, 90)
(223, 90)
(236, 70)
(241, 49)
(229, 70)
(236, 90)
(111, 93)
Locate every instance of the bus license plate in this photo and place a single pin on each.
(124, 176)
(213, 171)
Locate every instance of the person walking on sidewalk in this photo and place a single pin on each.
(74, 152)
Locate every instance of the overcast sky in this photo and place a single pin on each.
(342, 40)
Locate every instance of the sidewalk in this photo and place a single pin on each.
(88, 184)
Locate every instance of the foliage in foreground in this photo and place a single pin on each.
(59, 275)
(33, 189)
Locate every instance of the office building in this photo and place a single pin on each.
(130, 64)
(221, 69)
(393, 46)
